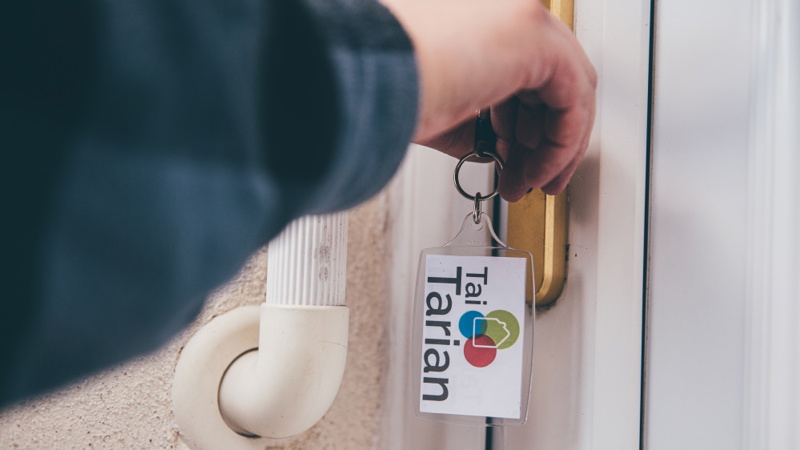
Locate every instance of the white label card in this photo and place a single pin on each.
(472, 338)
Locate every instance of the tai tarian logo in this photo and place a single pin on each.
(487, 334)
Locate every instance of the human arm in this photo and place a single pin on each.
(198, 129)
(150, 147)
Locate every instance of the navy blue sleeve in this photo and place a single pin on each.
(150, 147)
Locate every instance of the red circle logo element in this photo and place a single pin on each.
(480, 350)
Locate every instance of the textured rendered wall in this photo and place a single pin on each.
(129, 406)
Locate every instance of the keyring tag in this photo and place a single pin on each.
(472, 328)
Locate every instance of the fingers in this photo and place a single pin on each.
(552, 129)
(561, 180)
(559, 183)
(512, 185)
(504, 119)
(526, 169)
(544, 148)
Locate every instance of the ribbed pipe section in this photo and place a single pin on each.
(307, 263)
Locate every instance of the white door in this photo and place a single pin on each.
(661, 214)
(588, 347)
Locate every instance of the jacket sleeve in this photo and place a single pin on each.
(172, 140)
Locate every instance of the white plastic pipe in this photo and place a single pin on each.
(307, 263)
(285, 386)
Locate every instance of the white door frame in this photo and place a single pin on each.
(772, 394)
(724, 273)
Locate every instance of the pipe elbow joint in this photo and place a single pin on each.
(267, 371)
(286, 385)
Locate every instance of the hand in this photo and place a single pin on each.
(518, 59)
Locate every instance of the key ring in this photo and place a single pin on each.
(475, 154)
(484, 148)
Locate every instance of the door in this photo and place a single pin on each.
(588, 346)
(677, 327)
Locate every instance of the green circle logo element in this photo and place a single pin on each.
(504, 329)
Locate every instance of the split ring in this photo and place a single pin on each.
(498, 166)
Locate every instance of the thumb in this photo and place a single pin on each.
(512, 178)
